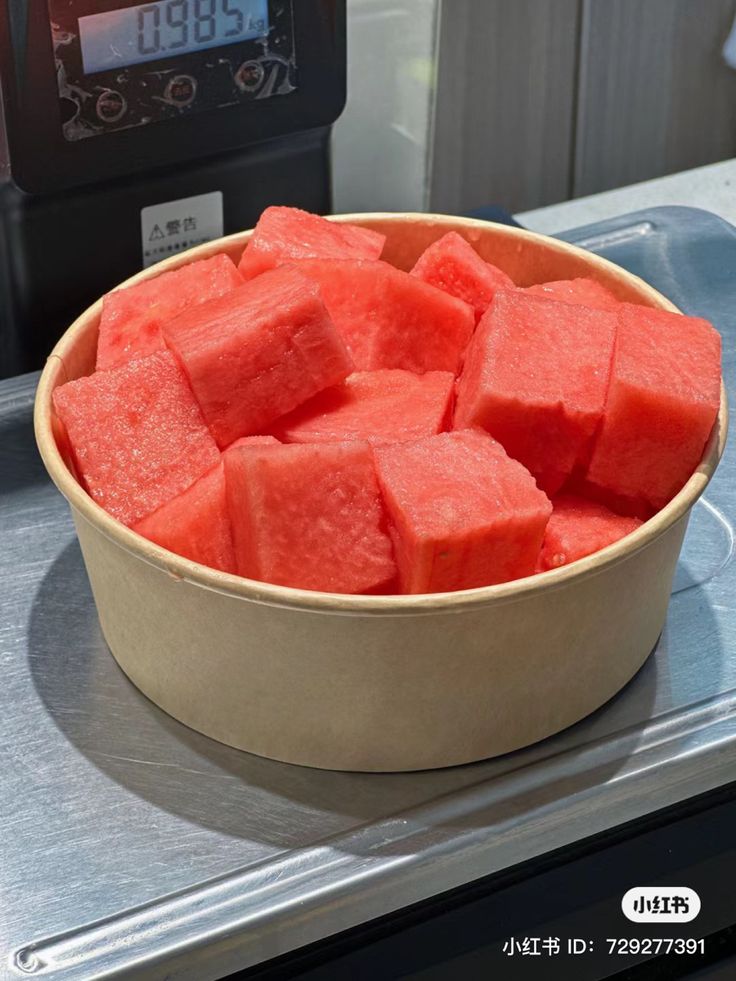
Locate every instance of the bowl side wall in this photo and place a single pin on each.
(359, 692)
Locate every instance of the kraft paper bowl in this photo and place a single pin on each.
(379, 682)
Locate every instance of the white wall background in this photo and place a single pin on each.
(381, 143)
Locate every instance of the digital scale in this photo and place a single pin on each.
(131, 131)
(132, 847)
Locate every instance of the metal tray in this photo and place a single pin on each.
(132, 847)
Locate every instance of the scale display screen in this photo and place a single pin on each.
(125, 65)
(152, 31)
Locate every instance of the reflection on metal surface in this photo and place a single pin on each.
(618, 236)
(708, 547)
(127, 836)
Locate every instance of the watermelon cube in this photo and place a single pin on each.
(662, 402)
(390, 319)
(579, 527)
(285, 234)
(389, 406)
(452, 264)
(196, 523)
(258, 352)
(584, 292)
(309, 516)
(464, 514)
(536, 375)
(137, 435)
(131, 319)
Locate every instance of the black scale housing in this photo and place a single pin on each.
(70, 208)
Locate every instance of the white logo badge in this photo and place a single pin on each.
(660, 904)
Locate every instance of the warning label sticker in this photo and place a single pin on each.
(174, 226)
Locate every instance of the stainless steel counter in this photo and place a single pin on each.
(132, 847)
(712, 187)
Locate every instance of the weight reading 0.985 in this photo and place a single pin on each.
(181, 23)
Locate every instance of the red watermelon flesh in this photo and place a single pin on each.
(662, 402)
(195, 524)
(310, 517)
(285, 234)
(258, 352)
(390, 319)
(137, 435)
(536, 375)
(452, 265)
(131, 319)
(584, 292)
(464, 514)
(579, 527)
(254, 441)
(390, 406)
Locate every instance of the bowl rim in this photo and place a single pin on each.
(182, 569)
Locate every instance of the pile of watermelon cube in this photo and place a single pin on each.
(317, 418)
